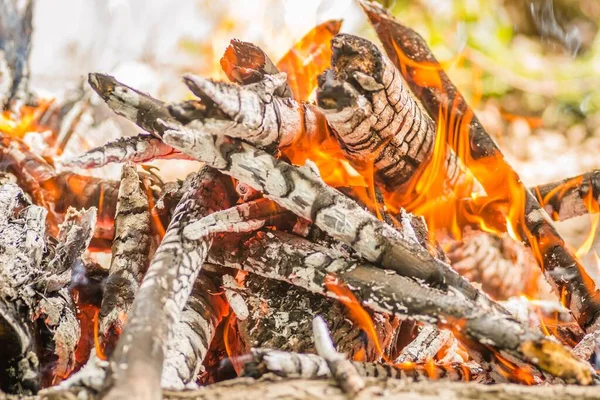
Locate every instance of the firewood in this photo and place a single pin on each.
(570, 197)
(259, 362)
(340, 368)
(280, 256)
(425, 346)
(22, 242)
(375, 117)
(136, 363)
(299, 189)
(411, 55)
(130, 253)
(192, 335)
(15, 44)
(138, 149)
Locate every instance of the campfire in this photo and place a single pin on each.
(353, 231)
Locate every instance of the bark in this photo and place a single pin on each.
(137, 149)
(259, 362)
(570, 197)
(193, 334)
(22, 231)
(136, 363)
(425, 346)
(130, 254)
(299, 189)
(485, 160)
(284, 257)
(340, 368)
(375, 117)
(15, 44)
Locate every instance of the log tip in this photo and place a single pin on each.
(102, 84)
(375, 11)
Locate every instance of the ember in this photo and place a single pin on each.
(353, 227)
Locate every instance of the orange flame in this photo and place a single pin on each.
(358, 315)
(308, 58)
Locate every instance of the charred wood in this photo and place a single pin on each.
(425, 346)
(564, 272)
(137, 361)
(130, 254)
(284, 257)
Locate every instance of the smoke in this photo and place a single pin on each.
(545, 20)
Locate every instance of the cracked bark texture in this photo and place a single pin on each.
(137, 149)
(295, 260)
(137, 361)
(425, 346)
(570, 197)
(22, 231)
(375, 117)
(259, 362)
(15, 44)
(485, 160)
(299, 189)
(130, 253)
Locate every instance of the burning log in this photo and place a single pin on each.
(342, 370)
(425, 346)
(570, 197)
(310, 366)
(15, 44)
(294, 260)
(375, 117)
(483, 158)
(136, 364)
(299, 189)
(130, 253)
(137, 149)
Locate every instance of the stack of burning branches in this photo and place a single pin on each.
(313, 252)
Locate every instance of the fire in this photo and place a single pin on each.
(16, 126)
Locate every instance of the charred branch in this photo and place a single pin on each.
(485, 160)
(302, 263)
(130, 253)
(136, 363)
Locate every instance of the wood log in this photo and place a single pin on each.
(298, 189)
(259, 362)
(138, 149)
(375, 117)
(15, 45)
(570, 197)
(131, 250)
(483, 158)
(280, 256)
(137, 361)
(425, 346)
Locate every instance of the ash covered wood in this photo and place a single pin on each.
(485, 160)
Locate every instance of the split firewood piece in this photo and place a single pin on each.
(375, 117)
(425, 346)
(130, 253)
(137, 361)
(245, 217)
(22, 232)
(483, 158)
(570, 197)
(193, 334)
(342, 370)
(589, 345)
(137, 149)
(309, 366)
(15, 44)
(280, 256)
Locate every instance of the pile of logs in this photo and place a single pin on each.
(257, 267)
